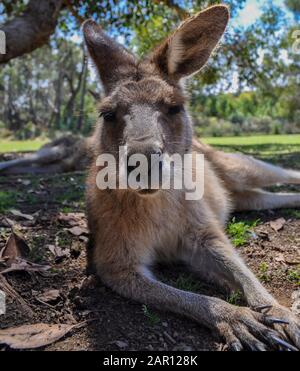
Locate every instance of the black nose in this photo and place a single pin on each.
(157, 152)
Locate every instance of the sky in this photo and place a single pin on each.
(252, 11)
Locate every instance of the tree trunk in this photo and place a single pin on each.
(82, 98)
(58, 100)
(13, 117)
(69, 109)
(32, 29)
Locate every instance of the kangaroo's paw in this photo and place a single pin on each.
(246, 329)
(292, 323)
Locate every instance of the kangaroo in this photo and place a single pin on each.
(131, 229)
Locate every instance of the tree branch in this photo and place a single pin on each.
(182, 13)
(32, 29)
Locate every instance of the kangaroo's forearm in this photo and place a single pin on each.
(146, 289)
(223, 263)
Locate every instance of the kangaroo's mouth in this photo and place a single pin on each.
(147, 192)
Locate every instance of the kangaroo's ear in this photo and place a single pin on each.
(187, 50)
(113, 61)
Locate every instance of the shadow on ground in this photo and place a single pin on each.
(279, 154)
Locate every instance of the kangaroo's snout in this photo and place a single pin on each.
(144, 140)
(145, 154)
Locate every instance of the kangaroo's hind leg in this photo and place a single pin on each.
(261, 200)
(241, 172)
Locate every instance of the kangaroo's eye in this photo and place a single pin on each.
(108, 115)
(174, 110)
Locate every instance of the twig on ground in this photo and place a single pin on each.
(10, 291)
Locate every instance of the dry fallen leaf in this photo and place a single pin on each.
(277, 224)
(292, 260)
(73, 219)
(58, 253)
(15, 248)
(7, 223)
(280, 258)
(78, 231)
(21, 215)
(35, 336)
(26, 266)
(49, 296)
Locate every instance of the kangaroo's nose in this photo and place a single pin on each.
(149, 152)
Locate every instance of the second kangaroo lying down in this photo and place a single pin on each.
(144, 109)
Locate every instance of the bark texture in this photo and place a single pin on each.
(32, 29)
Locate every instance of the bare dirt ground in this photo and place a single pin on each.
(53, 225)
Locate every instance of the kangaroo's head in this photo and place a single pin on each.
(144, 104)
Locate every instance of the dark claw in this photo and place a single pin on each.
(277, 320)
(263, 307)
(236, 347)
(284, 343)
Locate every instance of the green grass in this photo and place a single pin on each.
(294, 276)
(234, 298)
(74, 195)
(7, 200)
(242, 141)
(240, 232)
(21, 145)
(263, 272)
(66, 209)
(31, 199)
(63, 239)
(254, 140)
(292, 213)
(153, 318)
(187, 283)
(37, 249)
(265, 146)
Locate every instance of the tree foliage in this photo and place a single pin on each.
(48, 89)
(42, 92)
